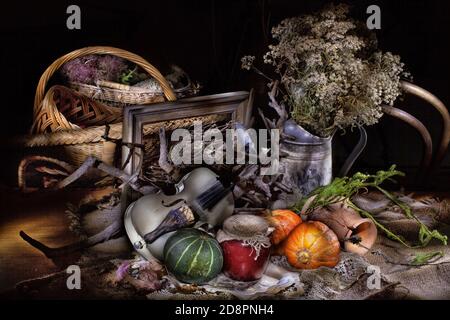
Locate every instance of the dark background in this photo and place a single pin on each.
(207, 39)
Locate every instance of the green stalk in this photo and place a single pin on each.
(380, 226)
(342, 189)
(425, 234)
(424, 258)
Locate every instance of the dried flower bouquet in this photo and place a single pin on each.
(332, 75)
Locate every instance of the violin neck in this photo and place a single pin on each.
(209, 198)
(176, 218)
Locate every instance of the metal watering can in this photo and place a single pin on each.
(306, 159)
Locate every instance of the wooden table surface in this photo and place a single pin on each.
(42, 216)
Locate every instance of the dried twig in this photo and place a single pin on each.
(279, 108)
(109, 232)
(64, 170)
(91, 162)
(263, 186)
(283, 187)
(267, 123)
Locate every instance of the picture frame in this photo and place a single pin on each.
(238, 105)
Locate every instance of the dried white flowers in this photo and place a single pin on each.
(332, 74)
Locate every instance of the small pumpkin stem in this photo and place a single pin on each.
(303, 256)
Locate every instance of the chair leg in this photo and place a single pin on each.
(419, 126)
(438, 105)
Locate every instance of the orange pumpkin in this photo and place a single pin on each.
(284, 221)
(311, 245)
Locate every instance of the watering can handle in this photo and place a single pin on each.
(356, 152)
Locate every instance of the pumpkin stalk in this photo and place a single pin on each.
(303, 256)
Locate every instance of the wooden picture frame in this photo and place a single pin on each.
(236, 104)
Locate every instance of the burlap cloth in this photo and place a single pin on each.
(391, 262)
(430, 281)
(351, 279)
(354, 276)
(347, 281)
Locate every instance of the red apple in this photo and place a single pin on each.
(239, 261)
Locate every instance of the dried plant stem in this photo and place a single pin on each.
(113, 230)
(342, 189)
(389, 233)
(91, 162)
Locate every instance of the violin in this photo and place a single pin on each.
(152, 219)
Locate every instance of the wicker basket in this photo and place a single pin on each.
(117, 93)
(51, 127)
(72, 110)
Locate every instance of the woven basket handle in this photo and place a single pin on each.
(138, 60)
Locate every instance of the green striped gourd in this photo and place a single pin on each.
(193, 256)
